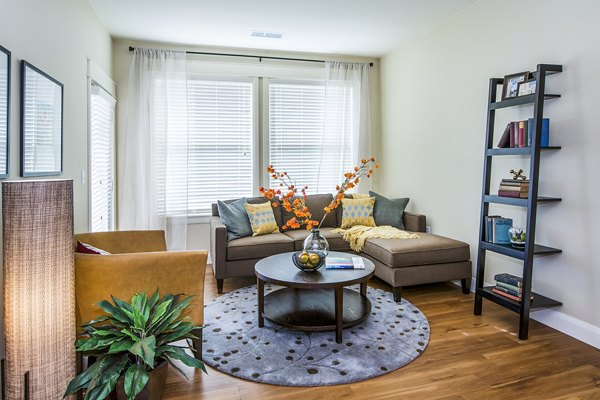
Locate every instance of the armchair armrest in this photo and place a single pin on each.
(218, 246)
(97, 277)
(414, 222)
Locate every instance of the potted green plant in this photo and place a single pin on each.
(132, 345)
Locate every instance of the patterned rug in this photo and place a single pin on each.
(391, 337)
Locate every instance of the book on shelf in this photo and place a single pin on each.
(496, 229)
(521, 189)
(509, 279)
(520, 134)
(507, 193)
(509, 287)
(509, 296)
(515, 182)
(508, 291)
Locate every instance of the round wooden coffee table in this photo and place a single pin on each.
(312, 301)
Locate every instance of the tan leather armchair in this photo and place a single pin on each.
(138, 262)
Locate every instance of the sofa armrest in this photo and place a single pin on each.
(218, 246)
(97, 277)
(414, 222)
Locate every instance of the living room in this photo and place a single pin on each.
(424, 74)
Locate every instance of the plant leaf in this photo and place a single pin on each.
(178, 353)
(101, 392)
(115, 312)
(154, 299)
(161, 309)
(172, 364)
(145, 349)
(136, 378)
(120, 346)
(82, 380)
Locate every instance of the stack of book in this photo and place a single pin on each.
(509, 286)
(344, 263)
(514, 188)
(496, 229)
(519, 134)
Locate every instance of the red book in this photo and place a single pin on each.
(511, 139)
(521, 134)
(508, 296)
(508, 193)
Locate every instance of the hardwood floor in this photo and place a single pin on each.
(468, 357)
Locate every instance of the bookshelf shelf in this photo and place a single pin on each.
(516, 151)
(510, 251)
(513, 201)
(519, 101)
(531, 249)
(538, 301)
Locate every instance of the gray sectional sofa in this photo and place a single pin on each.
(399, 262)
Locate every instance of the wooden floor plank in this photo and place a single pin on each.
(468, 358)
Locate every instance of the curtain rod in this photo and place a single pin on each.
(260, 58)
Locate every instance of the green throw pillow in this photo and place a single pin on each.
(235, 218)
(389, 211)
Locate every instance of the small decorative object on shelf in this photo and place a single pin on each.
(511, 84)
(527, 87)
(518, 175)
(315, 244)
(517, 237)
(310, 260)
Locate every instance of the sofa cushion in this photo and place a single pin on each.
(357, 212)
(389, 211)
(316, 204)
(253, 200)
(335, 240)
(235, 218)
(427, 249)
(259, 246)
(261, 218)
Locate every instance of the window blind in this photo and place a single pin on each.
(102, 121)
(219, 145)
(301, 128)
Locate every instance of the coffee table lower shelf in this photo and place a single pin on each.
(313, 310)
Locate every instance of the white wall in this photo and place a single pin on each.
(56, 36)
(434, 94)
(199, 233)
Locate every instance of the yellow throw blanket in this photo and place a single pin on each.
(358, 234)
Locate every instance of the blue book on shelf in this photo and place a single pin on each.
(501, 226)
(545, 140)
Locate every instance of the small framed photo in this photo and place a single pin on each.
(527, 87)
(511, 84)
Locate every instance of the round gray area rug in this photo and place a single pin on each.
(391, 337)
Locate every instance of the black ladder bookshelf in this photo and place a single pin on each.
(531, 203)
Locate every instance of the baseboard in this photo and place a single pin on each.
(562, 322)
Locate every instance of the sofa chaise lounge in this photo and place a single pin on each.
(399, 262)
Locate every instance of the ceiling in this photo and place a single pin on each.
(352, 27)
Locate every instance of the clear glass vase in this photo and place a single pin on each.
(316, 242)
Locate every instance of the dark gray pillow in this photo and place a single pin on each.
(235, 218)
(389, 211)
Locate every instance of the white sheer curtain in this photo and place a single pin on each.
(156, 145)
(347, 119)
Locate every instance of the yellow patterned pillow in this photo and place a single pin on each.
(358, 212)
(360, 195)
(261, 218)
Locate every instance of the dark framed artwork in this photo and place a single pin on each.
(5, 60)
(41, 122)
(510, 88)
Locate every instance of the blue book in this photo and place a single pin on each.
(510, 279)
(501, 227)
(545, 139)
(338, 263)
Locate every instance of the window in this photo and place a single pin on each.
(219, 144)
(102, 125)
(301, 129)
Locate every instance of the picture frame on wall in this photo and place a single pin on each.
(527, 87)
(41, 122)
(5, 76)
(510, 88)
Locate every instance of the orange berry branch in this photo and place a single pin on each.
(292, 202)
